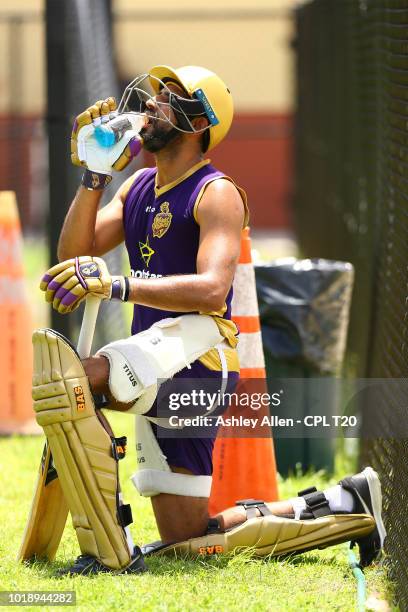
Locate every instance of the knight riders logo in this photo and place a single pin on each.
(89, 270)
(95, 181)
(162, 221)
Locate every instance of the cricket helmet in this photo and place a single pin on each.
(206, 95)
(206, 87)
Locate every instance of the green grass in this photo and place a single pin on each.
(318, 580)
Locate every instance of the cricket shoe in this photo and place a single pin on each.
(86, 565)
(365, 488)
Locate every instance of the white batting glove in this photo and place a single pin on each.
(87, 152)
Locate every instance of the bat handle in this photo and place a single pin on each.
(87, 331)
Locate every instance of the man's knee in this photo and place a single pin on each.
(97, 370)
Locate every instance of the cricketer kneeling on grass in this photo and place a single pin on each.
(181, 222)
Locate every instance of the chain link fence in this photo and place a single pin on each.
(351, 202)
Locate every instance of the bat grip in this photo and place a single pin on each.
(87, 331)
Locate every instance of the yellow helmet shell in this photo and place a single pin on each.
(193, 78)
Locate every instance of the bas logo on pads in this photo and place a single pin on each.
(80, 399)
(211, 550)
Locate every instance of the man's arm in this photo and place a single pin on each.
(87, 231)
(220, 216)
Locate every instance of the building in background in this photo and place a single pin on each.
(248, 46)
(23, 149)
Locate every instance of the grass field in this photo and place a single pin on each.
(318, 580)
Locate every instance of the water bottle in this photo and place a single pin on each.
(109, 133)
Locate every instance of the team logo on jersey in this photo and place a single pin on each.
(146, 251)
(162, 221)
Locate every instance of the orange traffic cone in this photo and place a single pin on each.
(245, 467)
(16, 415)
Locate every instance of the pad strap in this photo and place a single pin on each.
(119, 446)
(252, 505)
(125, 515)
(213, 526)
(316, 502)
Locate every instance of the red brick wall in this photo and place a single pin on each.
(257, 154)
(16, 135)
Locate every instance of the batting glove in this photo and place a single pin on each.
(85, 150)
(68, 283)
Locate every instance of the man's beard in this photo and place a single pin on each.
(156, 139)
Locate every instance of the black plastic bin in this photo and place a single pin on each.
(304, 310)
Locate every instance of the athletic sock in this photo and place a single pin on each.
(339, 500)
(299, 505)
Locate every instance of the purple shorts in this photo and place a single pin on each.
(193, 454)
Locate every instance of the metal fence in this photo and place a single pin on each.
(351, 201)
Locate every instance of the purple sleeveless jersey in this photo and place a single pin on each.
(161, 234)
